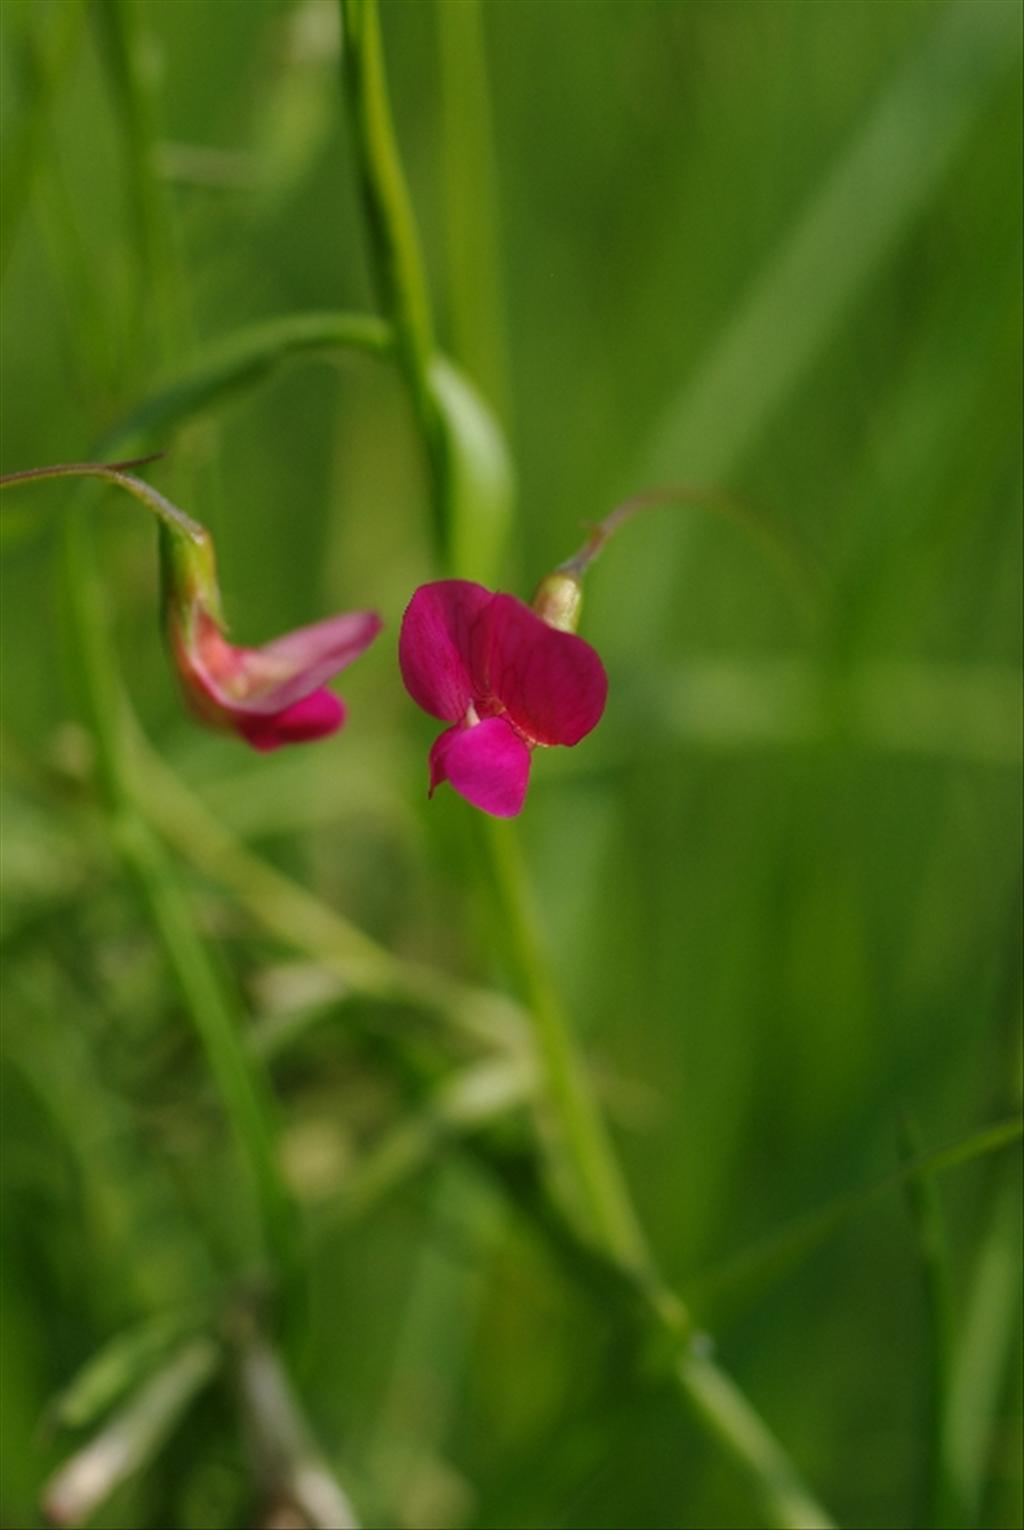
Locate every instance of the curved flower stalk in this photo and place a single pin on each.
(509, 677)
(268, 696)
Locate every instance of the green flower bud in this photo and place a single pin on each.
(558, 600)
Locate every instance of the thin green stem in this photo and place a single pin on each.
(115, 473)
(397, 261)
(576, 1122)
(724, 1412)
(247, 358)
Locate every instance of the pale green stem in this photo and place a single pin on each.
(114, 473)
(397, 262)
(240, 363)
(723, 1410)
(577, 1123)
(400, 275)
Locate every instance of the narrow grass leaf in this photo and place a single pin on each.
(768, 1260)
(121, 1364)
(867, 203)
(132, 1437)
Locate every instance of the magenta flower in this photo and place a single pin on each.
(269, 696)
(272, 695)
(507, 680)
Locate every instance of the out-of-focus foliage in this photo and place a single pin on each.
(764, 246)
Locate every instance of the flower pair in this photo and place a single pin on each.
(508, 677)
(506, 680)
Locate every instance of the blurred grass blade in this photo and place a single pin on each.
(123, 45)
(434, 1337)
(299, 104)
(925, 1207)
(292, 1471)
(297, 916)
(480, 482)
(982, 1359)
(39, 63)
(468, 1101)
(478, 467)
(963, 712)
(473, 247)
(245, 359)
(721, 1405)
(866, 205)
(117, 1367)
(132, 1437)
(769, 1259)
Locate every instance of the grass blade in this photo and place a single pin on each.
(929, 1226)
(807, 288)
(773, 1256)
(132, 1437)
(980, 1363)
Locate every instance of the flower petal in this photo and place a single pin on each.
(314, 716)
(488, 764)
(433, 649)
(271, 678)
(552, 684)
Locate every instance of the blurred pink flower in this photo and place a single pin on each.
(272, 695)
(506, 679)
(269, 696)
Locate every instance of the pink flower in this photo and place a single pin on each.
(272, 695)
(506, 679)
(269, 696)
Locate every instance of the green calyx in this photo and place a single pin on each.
(558, 600)
(188, 567)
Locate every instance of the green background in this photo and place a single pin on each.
(767, 247)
